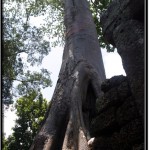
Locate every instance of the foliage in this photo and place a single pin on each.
(97, 8)
(4, 143)
(20, 40)
(33, 81)
(30, 110)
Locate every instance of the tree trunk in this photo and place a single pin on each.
(78, 86)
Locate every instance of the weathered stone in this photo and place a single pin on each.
(117, 91)
(133, 132)
(109, 99)
(129, 39)
(112, 82)
(110, 143)
(127, 112)
(130, 134)
(102, 143)
(123, 27)
(124, 90)
(118, 143)
(120, 11)
(105, 123)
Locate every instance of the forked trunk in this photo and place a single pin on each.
(78, 86)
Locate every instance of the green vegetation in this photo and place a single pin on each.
(23, 39)
(97, 8)
(30, 111)
(23, 45)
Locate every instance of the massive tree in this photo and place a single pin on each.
(78, 86)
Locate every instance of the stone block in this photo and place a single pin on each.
(120, 11)
(133, 132)
(112, 82)
(107, 100)
(124, 90)
(127, 112)
(102, 143)
(104, 123)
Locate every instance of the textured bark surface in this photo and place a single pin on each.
(82, 71)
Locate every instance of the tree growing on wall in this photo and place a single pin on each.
(78, 86)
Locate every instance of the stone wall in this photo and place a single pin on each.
(118, 125)
(123, 27)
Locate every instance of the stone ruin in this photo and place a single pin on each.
(119, 123)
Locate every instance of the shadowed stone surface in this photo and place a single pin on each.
(123, 27)
(119, 11)
(126, 112)
(118, 125)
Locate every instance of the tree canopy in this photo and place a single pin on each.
(97, 8)
(30, 111)
(21, 43)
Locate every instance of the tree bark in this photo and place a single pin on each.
(78, 85)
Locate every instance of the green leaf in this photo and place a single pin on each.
(29, 116)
